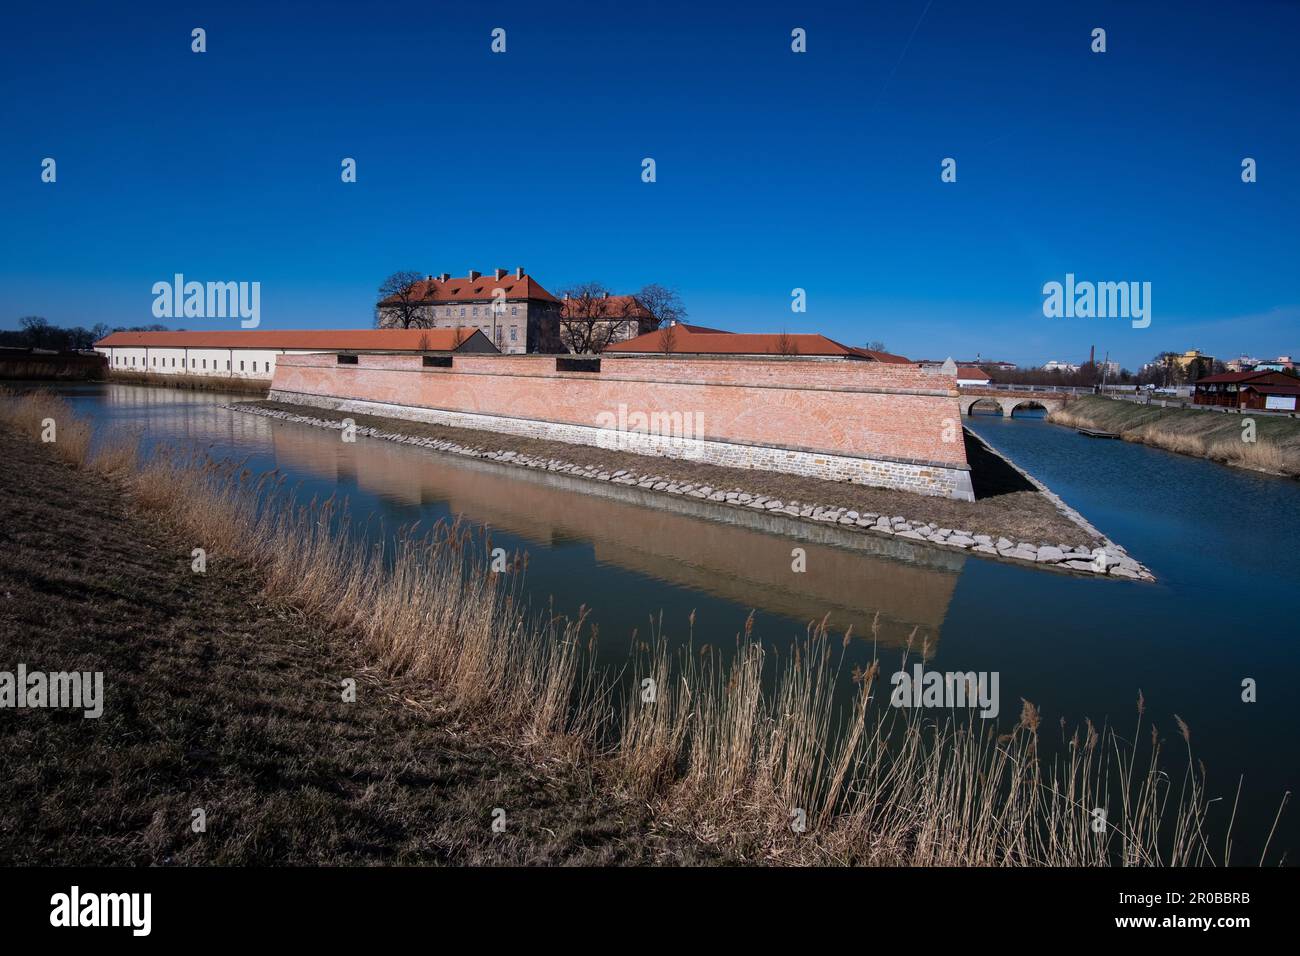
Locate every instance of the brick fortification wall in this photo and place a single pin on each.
(872, 423)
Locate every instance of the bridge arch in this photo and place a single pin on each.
(983, 404)
(1028, 404)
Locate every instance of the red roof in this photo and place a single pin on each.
(324, 340)
(435, 289)
(614, 306)
(966, 371)
(1265, 389)
(1229, 377)
(687, 341)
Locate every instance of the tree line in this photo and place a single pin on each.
(36, 332)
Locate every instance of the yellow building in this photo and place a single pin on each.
(1192, 365)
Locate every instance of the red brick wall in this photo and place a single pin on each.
(865, 409)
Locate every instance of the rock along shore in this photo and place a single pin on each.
(1107, 559)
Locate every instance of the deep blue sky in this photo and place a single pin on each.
(775, 170)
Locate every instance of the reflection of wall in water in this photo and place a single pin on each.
(179, 413)
(748, 567)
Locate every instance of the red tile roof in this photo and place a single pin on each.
(615, 307)
(1229, 377)
(324, 340)
(688, 341)
(1265, 389)
(481, 288)
(965, 371)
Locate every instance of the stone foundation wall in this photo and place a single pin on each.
(868, 423)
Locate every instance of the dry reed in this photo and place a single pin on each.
(755, 751)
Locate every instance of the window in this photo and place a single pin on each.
(514, 333)
(462, 312)
(577, 365)
(205, 363)
(475, 310)
(514, 310)
(153, 361)
(437, 361)
(227, 365)
(241, 365)
(347, 359)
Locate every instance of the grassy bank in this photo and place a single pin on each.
(1005, 505)
(207, 383)
(1203, 434)
(224, 697)
(472, 704)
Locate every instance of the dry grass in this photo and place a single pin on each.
(736, 749)
(212, 383)
(1201, 434)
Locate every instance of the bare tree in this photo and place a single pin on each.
(876, 346)
(399, 306)
(786, 344)
(663, 304)
(590, 319)
(668, 340)
(37, 329)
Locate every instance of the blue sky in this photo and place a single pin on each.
(775, 170)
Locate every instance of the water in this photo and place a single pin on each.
(1219, 540)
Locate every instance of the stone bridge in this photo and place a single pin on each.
(1006, 400)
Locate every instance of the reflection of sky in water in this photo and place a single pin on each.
(1217, 538)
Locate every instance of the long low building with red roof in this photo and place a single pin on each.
(681, 339)
(1264, 389)
(252, 353)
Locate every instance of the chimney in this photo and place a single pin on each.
(445, 277)
(473, 275)
(519, 273)
(428, 278)
(605, 296)
(501, 274)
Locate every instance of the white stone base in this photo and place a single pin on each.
(920, 477)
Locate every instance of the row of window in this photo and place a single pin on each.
(194, 363)
(487, 310)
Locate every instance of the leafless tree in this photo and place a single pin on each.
(668, 341)
(590, 319)
(876, 346)
(400, 307)
(786, 344)
(663, 304)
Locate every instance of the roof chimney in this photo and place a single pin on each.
(519, 273)
(473, 275)
(501, 274)
(605, 296)
(445, 277)
(428, 278)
